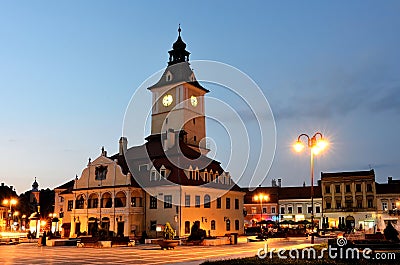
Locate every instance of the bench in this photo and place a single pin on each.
(88, 242)
(9, 241)
(121, 241)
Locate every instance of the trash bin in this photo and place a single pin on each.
(234, 238)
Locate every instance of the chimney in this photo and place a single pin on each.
(273, 182)
(123, 145)
(2, 184)
(103, 152)
(170, 139)
(11, 187)
(390, 180)
(279, 182)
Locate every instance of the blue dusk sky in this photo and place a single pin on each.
(68, 70)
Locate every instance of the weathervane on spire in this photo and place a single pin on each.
(179, 29)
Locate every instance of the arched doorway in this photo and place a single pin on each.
(105, 224)
(93, 226)
(350, 222)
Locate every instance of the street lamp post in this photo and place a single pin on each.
(261, 197)
(10, 202)
(52, 217)
(316, 145)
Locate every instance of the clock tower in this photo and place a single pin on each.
(178, 99)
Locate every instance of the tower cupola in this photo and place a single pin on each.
(178, 54)
(35, 185)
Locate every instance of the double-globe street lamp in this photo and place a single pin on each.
(316, 143)
(261, 197)
(10, 202)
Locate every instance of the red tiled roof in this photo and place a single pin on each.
(176, 159)
(299, 192)
(387, 188)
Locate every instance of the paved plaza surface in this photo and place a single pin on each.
(28, 253)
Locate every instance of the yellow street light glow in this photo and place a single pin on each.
(315, 150)
(261, 197)
(10, 202)
(298, 146)
(322, 144)
(43, 223)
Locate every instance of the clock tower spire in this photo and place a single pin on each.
(178, 99)
(178, 54)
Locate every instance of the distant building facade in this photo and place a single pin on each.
(388, 203)
(283, 204)
(342, 200)
(256, 210)
(349, 199)
(3, 217)
(295, 204)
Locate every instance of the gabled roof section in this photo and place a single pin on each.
(299, 192)
(387, 188)
(366, 173)
(67, 185)
(121, 161)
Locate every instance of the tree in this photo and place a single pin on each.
(169, 232)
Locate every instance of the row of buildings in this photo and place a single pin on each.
(341, 200)
(171, 179)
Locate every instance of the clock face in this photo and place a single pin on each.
(193, 101)
(167, 100)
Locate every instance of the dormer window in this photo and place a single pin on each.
(192, 78)
(101, 172)
(191, 173)
(163, 173)
(228, 179)
(216, 178)
(143, 167)
(153, 174)
(206, 176)
(168, 77)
